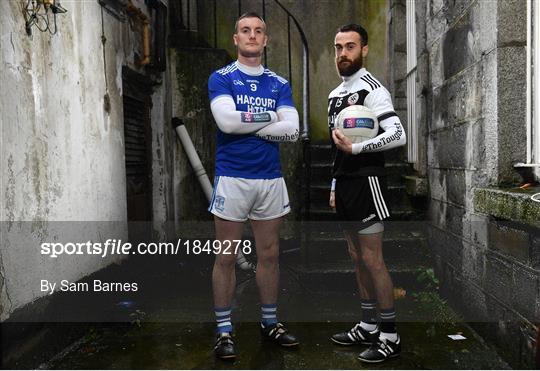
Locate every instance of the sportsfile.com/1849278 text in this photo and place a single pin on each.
(118, 247)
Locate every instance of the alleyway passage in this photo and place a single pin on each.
(173, 329)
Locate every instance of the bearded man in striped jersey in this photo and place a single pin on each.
(358, 195)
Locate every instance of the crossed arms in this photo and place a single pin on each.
(280, 126)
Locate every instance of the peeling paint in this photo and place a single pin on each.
(64, 153)
(10, 194)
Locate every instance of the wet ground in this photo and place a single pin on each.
(172, 328)
(188, 346)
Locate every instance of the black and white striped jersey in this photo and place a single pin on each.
(362, 88)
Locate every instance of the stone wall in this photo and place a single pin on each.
(471, 74)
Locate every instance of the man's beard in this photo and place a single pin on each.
(351, 68)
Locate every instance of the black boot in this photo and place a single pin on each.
(279, 334)
(224, 347)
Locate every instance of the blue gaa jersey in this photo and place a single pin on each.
(247, 156)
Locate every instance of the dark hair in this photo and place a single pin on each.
(358, 29)
(248, 15)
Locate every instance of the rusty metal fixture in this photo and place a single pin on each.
(138, 14)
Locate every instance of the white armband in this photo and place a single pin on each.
(284, 130)
(231, 121)
(333, 186)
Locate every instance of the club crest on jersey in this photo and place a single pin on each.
(358, 122)
(274, 88)
(353, 99)
(238, 82)
(219, 203)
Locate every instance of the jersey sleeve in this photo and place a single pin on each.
(231, 121)
(218, 85)
(284, 130)
(285, 97)
(379, 101)
(393, 135)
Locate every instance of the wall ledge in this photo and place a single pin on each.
(510, 204)
(415, 186)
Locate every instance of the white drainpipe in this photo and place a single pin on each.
(198, 167)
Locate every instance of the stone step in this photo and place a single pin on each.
(321, 172)
(332, 229)
(396, 170)
(321, 152)
(324, 213)
(405, 250)
(396, 155)
(338, 277)
(396, 195)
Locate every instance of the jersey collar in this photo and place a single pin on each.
(361, 72)
(253, 71)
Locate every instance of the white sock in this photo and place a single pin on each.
(392, 336)
(368, 326)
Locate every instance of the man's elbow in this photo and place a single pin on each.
(227, 129)
(402, 139)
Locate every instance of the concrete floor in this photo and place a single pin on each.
(173, 329)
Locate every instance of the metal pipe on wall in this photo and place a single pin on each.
(133, 10)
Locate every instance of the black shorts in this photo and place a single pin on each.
(362, 200)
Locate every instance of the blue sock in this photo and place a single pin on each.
(268, 314)
(223, 319)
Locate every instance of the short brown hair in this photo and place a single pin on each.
(353, 27)
(248, 15)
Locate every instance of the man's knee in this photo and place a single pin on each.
(225, 261)
(268, 252)
(373, 261)
(268, 255)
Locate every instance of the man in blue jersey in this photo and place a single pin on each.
(254, 111)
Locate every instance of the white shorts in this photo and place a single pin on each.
(240, 199)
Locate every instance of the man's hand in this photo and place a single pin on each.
(332, 202)
(342, 142)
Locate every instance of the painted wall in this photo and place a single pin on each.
(63, 173)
